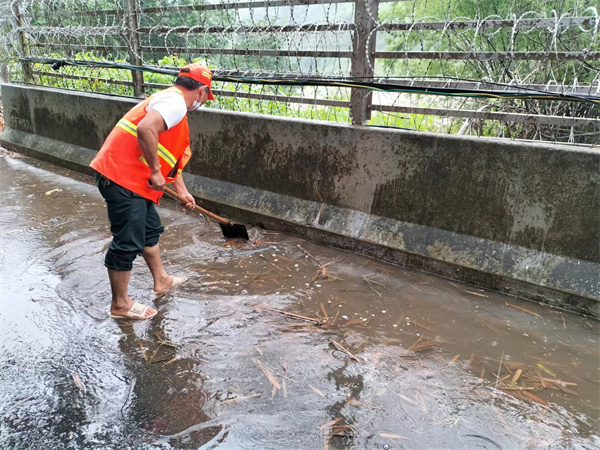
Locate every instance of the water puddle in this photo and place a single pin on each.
(273, 343)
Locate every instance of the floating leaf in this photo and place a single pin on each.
(535, 398)
(477, 293)
(516, 377)
(392, 436)
(329, 424)
(78, 382)
(525, 310)
(316, 391)
(545, 369)
(240, 399)
(267, 373)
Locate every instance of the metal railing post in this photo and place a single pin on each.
(363, 45)
(4, 77)
(22, 44)
(135, 46)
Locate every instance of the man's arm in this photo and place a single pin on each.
(181, 189)
(147, 136)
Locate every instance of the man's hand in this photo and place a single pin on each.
(180, 188)
(157, 181)
(191, 204)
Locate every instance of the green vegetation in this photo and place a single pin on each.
(500, 40)
(492, 40)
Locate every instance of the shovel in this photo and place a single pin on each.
(229, 229)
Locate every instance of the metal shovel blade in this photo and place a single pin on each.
(234, 230)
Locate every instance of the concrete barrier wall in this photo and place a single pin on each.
(521, 218)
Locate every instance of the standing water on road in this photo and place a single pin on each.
(384, 357)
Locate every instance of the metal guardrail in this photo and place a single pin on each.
(358, 48)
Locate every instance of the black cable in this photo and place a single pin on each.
(523, 93)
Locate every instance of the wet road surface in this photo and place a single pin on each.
(399, 359)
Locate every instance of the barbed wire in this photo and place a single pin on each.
(482, 46)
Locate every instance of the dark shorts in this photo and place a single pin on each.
(134, 224)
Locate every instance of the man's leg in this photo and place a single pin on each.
(127, 220)
(119, 283)
(162, 280)
(118, 275)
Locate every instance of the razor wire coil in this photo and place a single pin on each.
(434, 48)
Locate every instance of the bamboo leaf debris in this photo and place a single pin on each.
(272, 379)
(525, 310)
(316, 391)
(416, 347)
(392, 436)
(285, 313)
(17, 404)
(523, 380)
(329, 424)
(477, 294)
(240, 399)
(78, 382)
(168, 357)
(346, 351)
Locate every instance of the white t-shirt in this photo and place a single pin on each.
(170, 105)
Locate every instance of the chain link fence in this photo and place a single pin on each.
(485, 67)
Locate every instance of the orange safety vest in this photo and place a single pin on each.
(121, 160)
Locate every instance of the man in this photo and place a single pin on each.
(148, 148)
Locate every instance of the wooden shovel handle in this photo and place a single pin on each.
(182, 199)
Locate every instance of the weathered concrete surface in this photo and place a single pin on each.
(520, 218)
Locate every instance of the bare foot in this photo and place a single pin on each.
(161, 286)
(122, 308)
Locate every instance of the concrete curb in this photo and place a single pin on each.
(423, 248)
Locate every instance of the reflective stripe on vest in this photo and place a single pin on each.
(165, 154)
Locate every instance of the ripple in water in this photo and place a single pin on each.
(250, 433)
(44, 224)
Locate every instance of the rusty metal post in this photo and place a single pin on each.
(5, 29)
(366, 14)
(135, 45)
(4, 76)
(22, 44)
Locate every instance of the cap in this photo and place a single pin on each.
(199, 73)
